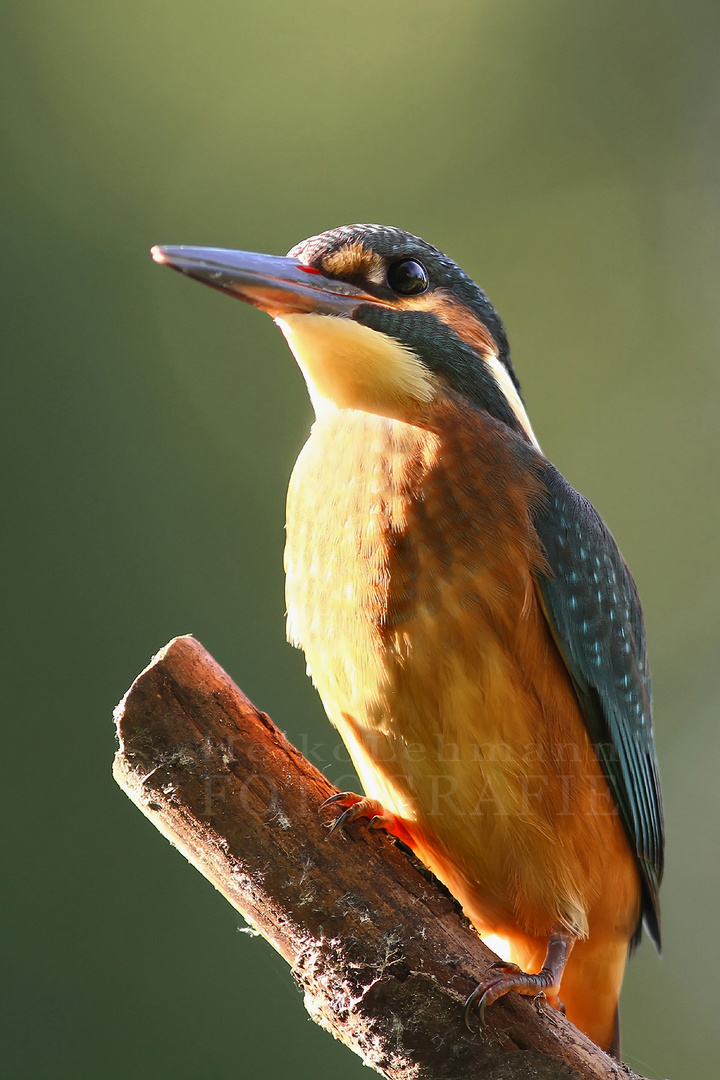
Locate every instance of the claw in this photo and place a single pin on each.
(485, 993)
(340, 821)
(467, 1012)
(338, 797)
(505, 966)
(502, 977)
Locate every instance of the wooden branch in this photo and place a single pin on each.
(379, 947)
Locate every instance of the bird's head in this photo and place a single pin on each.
(378, 320)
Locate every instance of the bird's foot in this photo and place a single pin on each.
(498, 983)
(502, 977)
(360, 807)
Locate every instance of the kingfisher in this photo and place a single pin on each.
(467, 618)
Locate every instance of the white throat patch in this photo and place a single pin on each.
(502, 378)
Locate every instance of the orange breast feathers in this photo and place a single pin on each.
(410, 566)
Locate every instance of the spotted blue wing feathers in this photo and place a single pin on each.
(593, 609)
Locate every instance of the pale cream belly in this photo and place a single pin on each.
(424, 638)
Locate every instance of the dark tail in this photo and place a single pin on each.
(614, 1048)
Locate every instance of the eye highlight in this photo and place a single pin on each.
(407, 277)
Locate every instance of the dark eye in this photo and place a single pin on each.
(408, 277)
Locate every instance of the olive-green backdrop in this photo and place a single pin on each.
(567, 155)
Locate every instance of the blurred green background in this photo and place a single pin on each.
(567, 155)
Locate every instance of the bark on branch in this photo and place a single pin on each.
(379, 948)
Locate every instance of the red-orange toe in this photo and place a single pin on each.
(360, 807)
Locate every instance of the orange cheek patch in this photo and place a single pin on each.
(456, 317)
(469, 328)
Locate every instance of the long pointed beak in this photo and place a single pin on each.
(273, 283)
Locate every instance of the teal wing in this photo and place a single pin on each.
(593, 609)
